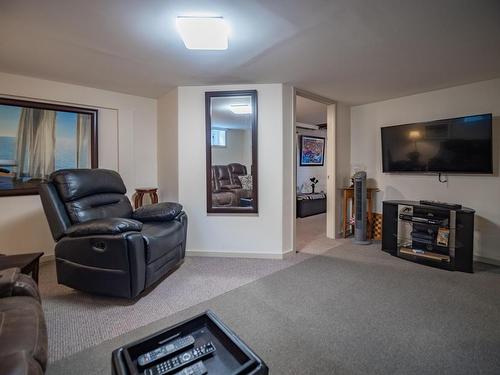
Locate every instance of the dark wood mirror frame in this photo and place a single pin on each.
(33, 189)
(254, 168)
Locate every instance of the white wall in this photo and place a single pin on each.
(168, 149)
(238, 149)
(306, 172)
(127, 143)
(342, 157)
(247, 235)
(288, 170)
(479, 192)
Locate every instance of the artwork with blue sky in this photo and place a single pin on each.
(65, 150)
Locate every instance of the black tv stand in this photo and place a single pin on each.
(437, 235)
(450, 206)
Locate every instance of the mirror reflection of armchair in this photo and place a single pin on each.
(227, 189)
(221, 198)
(236, 171)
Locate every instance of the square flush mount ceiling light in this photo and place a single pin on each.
(240, 109)
(203, 32)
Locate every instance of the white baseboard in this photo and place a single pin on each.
(220, 254)
(236, 254)
(495, 262)
(239, 254)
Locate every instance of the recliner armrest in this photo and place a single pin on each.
(104, 226)
(165, 211)
(14, 283)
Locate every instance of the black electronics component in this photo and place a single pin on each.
(423, 240)
(164, 350)
(455, 145)
(181, 360)
(406, 217)
(418, 219)
(423, 235)
(449, 206)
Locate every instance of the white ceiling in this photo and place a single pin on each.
(355, 51)
(309, 111)
(222, 116)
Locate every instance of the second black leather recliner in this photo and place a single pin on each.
(103, 245)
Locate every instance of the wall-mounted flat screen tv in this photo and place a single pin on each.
(455, 145)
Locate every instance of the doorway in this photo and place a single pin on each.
(314, 173)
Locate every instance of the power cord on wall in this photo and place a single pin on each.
(440, 179)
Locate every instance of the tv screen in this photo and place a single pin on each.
(456, 145)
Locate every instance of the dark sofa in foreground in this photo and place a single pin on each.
(23, 333)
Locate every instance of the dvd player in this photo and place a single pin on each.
(421, 220)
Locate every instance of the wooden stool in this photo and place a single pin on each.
(139, 195)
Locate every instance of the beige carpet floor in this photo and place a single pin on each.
(78, 320)
(352, 310)
(311, 235)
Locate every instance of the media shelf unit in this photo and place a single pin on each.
(410, 230)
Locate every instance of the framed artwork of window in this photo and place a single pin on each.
(37, 139)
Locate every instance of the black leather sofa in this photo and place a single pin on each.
(23, 333)
(103, 246)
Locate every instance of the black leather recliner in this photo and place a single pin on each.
(103, 246)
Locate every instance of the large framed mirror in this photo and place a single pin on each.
(231, 139)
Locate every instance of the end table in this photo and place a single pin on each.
(28, 263)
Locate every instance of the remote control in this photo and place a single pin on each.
(164, 350)
(197, 369)
(181, 359)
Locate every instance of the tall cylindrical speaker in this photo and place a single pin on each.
(360, 219)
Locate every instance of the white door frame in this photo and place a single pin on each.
(331, 187)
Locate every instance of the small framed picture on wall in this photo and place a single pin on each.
(312, 151)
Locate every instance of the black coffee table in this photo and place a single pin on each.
(28, 263)
(231, 355)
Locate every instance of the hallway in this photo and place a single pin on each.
(311, 235)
